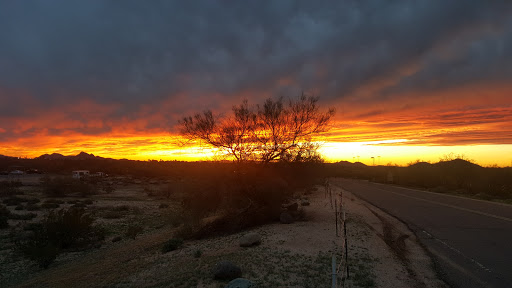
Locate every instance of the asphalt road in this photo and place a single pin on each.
(470, 240)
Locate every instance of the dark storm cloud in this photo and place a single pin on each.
(147, 52)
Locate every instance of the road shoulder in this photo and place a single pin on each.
(398, 259)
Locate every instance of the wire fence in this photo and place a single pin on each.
(339, 266)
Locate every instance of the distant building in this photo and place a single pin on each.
(17, 172)
(80, 173)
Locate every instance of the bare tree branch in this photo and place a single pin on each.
(273, 131)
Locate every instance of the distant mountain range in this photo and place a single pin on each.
(80, 156)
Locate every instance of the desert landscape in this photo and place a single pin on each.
(233, 144)
(137, 219)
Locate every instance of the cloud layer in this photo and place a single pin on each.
(440, 70)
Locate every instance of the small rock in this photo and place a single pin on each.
(240, 283)
(304, 202)
(292, 207)
(225, 270)
(286, 218)
(250, 239)
(117, 239)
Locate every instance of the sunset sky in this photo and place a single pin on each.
(409, 79)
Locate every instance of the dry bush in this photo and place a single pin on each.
(61, 229)
(248, 196)
(4, 215)
(65, 186)
(172, 244)
(133, 230)
(6, 191)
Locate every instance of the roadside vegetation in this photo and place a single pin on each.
(453, 174)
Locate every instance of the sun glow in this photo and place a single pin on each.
(168, 147)
(400, 153)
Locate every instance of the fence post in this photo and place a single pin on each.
(346, 246)
(334, 271)
(336, 214)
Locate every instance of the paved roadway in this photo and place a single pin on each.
(470, 240)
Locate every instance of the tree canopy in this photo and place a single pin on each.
(278, 130)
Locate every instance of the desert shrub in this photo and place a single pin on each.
(113, 215)
(148, 191)
(108, 187)
(63, 186)
(14, 201)
(166, 192)
(300, 214)
(56, 187)
(270, 192)
(50, 205)
(133, 231)
(10, 188)
(56, 201)
(38, 247)
(121, 208)
(198, 253)
(27, 216)
(70, 228)
(33, 201)
(190, 225)
(85, 189)
(10, 183)
(172, 244)
(250, 195)
(171, 190)
(175, 217)
(32, 226)
(88, 202)
(81, 203)
(9, 191)
(3, 222)
(4, 215)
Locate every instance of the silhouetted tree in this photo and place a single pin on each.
(278, 130)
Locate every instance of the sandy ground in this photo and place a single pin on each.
(382, 252)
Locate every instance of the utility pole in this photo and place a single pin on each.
(373, 158)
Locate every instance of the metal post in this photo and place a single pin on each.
(333, 271)
(346, 245)
(330, 195)
(336, 214)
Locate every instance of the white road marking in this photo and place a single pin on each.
(458, 252)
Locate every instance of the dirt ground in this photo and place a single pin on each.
(382, 252)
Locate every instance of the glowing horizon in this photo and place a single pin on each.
(409, 80)
(164, 147)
